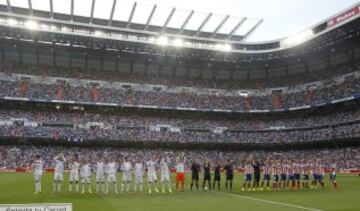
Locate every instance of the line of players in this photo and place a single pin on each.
(280, 175)
(286, 175)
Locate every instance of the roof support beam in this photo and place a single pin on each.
(150, 17)
(30, 8)
(198, 31)
(131, 15)
(186, 22)
(92, 11)
(234, 30)
(72, 10)
(220, 25)
(8, 5)
(51, 9)
(168, 19)
(112, 12)
(252, 30)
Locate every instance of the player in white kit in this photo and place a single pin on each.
(111, 172)
(37, 168)
(126, 174)
(58, 173)
(74, 174)
(100, 175)
(139, 173)
(151, 173)
(85, 173)
(165, 174)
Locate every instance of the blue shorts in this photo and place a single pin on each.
(266, 177)
(315, 176)
(296, 176)
(320, 177)
(248, 177)
(332, 177)
(306, 177)
(276, 178)
(290, 177)
(283, 177)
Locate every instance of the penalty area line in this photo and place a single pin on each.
(267, 201)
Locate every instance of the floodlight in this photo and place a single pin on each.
(98, 32)
(162, 40)
(219, 46)
(178, 42)
(12, 22)
(227, 47)
(32, 25)
(297, 38)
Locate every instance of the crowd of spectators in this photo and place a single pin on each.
(46, 91)
(151, 78)
(21, 156)
(184, 122)
(183, 136)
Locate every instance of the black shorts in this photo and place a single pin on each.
(217, 177)
(207, 177)
(195, 176)
(229, 177)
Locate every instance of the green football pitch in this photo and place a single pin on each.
(17, 188)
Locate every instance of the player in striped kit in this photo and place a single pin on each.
(333, 175)
(306, 171)
(283, 175)
(248, 170)
(139, 173)
(289, 174)
(111, 172)
(266, 177)
(321, 174)
(151, 173)
(126, 173)
(275, 171)
(74, 174)
(296, 170)
(313, 169)
(37, 168)
(85, 173)
(165, 174)
(58, 173)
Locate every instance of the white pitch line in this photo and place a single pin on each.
(267, 201)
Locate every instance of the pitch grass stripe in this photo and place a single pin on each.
(267, 201)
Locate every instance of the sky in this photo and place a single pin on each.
(281, 17)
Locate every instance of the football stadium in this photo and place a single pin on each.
(179, 105)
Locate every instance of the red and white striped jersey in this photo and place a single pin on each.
(288, 169)
(333, 169)
(267, 169)
(248, 169)
(275, 170)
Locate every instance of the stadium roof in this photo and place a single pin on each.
(125, 21)
(147, 15)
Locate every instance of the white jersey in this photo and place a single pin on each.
(139, 169)
(85, 171)
(37, 167)
(180, 167)
(111, 168)
(126, 167)
(151, 167)
(164, 167)
(100, 168)
(59, 166)
(75, 168)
